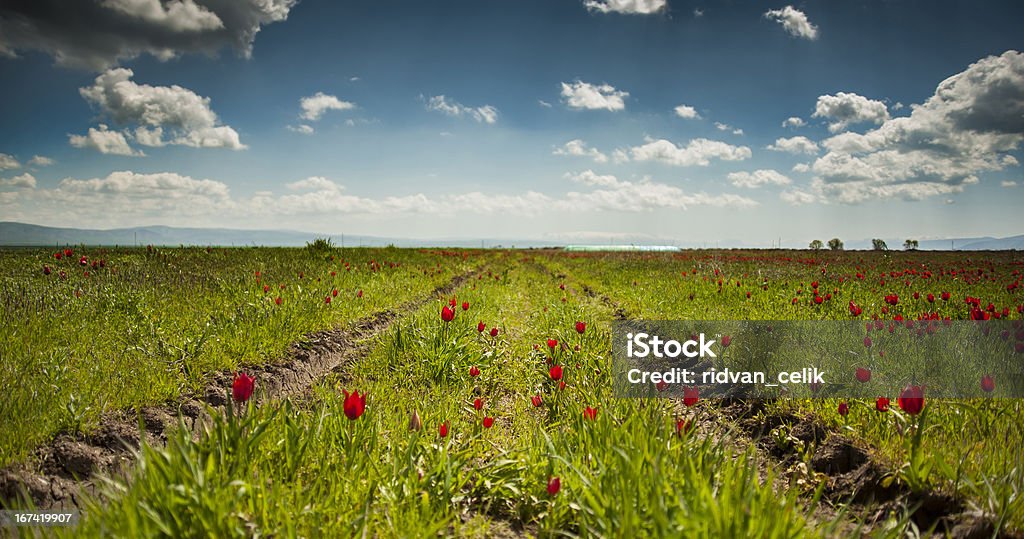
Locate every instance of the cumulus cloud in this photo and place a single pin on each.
(592, 179)
(801, 167)
(40, 161)
(8, 162)
(846, 109)
(798, 197)
(21, 181)
(579, 148)
(757, 178)
(726, 127)
(583, 95)
(105, 141)
(181, 114)
(697, 152)
(793, 121)
(97, 35)
(314, 106)
(794, 145)
(612, 194)
(301, 128)
(484, 114)
(794, 21)
(686, 111)
(966, 128)
(633, 7)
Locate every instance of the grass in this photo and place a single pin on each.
(286, 469)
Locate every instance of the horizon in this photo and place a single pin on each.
(684, 121)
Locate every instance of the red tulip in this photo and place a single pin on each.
(536, 400)
(266, 288)
(465, 305)
(988, 385)
(554, 485)
(589, 413)
(494, 332)
(447, 314)
(726, 341)
(581, 327)
(690, 396)
(863, 375)
(488, 422)
(555, 372)
(327, 300)
(930, 298)
(474, 371)
(453, 301)
(561, 386)
(242, 387)
(843, 409)
(481, 327)
(945, 296)
(867, 342)
(478, 403)
(46, 270)
(552, 344)
(354, 405)
(661, 386)
(334, 292)
(882, 404)
(359, 294)
(442, 430)
(683, 426)
(854, 309)
(68, 252)
(278, 300)
(911, 400)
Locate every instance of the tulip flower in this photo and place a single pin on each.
(536, 400)
(327, 300)
(854, 309)
(442, 430)
(683, 426)
(552, 344)
(555, 372)
(867, 342)
(661, 386)
(863, 375)
(478, 403)
(278, 300)
(882, 404)
(554, 485)
(447, 314)
(843, 409)
(589, 413)
(481, 327)
(474, 371)
(726, 341)
(581, 327)
(911, 400)
(465, 305)
(988, 385)
(690, 396)
(494, 332)
(415, 423)
(354, 405)
(242, 387)
(488, 422)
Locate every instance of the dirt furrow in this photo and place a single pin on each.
(59, 473)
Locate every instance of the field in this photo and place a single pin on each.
(484, 404)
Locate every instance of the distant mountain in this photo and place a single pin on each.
(21, 234)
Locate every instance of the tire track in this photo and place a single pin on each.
(59, 474)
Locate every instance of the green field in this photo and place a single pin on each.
(156, 327)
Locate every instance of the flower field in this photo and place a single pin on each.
(469, 393)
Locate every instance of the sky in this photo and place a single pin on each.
(729, 123)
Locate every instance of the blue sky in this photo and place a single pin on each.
(541, 120)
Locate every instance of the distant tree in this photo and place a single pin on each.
(835, 244)
(910, 245)
(879, 245)
(816, 245)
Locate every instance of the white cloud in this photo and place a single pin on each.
(793, 121)
(686, 111)
(175, 15)
(697, 152)
(801, 167)
(104, 141)
(633, 7)
(797, 197)
(847, 109)
(583, 95)
(794, 21)
(23, 181)
(592, 179)
(641, 196)
(40, 161)
(314, 106)
(175, 111)
(579, 148)
(301, 128)
(314, 183)
(966, 128)
(726, 127)
(544, 104)
(1008, 183)
(99, 34)
(483, 114)
(754, 180)
(620, 156)
(794, 145)
(8, 162)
